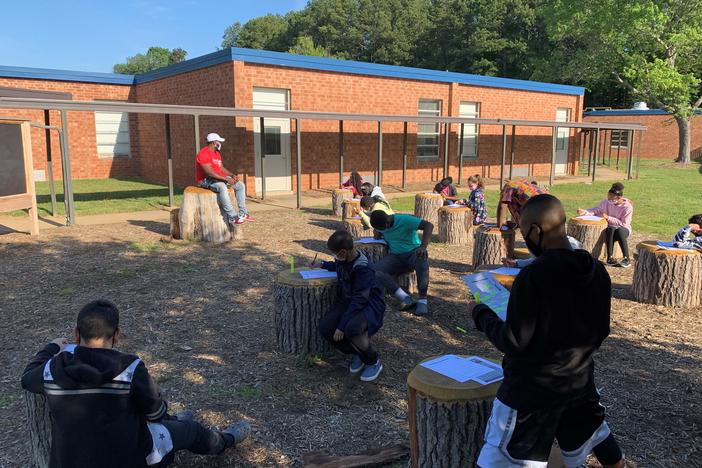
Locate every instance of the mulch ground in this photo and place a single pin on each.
(201, 317)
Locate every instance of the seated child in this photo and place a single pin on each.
(447, 190)
(359, 308)
(370, 190)
(406, 253)
(354, 183)
(105, 409)
(476, 199)
(370, 204)
(690, 236)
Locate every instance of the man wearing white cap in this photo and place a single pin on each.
(210, 173)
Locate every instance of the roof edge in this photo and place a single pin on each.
(65, 75)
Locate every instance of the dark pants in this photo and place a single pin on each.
(356, 339)
(620, 235)
(396, 264)
(194, 437)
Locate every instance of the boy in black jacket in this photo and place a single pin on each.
(359, 308)
(557, 317)
(106, 410)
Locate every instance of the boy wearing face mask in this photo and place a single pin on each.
(557, 317)
(211, 174)
(359, 307)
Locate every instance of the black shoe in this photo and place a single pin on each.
(625, 263)
(612, 262)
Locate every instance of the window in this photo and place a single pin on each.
(112, 134)
(619, 139)
(470, 131)
(272, 139)
(428, 134)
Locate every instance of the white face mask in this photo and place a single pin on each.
(218, 145)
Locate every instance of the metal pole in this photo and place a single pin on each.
(604, 142)
(504, 155)
(596, 155)
(511, 150)
(460, 155)
(447, 130)
(341, 150)
(619, 147)
(298, 124)
(196, 126)
(169, 158)
(404, 156)
(554, 137)
(631, 154)
(49, 164)
(609, 150)
(638, 153)
(590, 141)
(379, 182)
(262, 146)
(66, 167)
(581, 145)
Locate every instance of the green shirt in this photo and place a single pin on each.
(402, 237)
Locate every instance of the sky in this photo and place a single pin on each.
(94, 35)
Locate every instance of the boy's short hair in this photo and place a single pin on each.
(340, 240)
(98, 319)
(695, 219)
(367, 201)
(379, 220)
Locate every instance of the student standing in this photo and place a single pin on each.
(618, 211)
(514, 195)
(558, 315)
(359, 307)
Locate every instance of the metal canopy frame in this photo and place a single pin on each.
(196, 111)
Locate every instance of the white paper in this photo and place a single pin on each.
(369, 240)
(589, 218)
(354, 217)
(463, 369)
(455, 205)
(491, 292)
(317, 273)
(507, 271)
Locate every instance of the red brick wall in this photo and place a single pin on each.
(85, 162)
(660, 140)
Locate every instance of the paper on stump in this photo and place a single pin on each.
(317, 273)
(589, 218)
(455, 205)
(507, 271)
(354, 217)
(463, 369)
(669, 246)
(491, 292)
(370, 240)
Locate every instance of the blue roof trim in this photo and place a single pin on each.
(65, 75)
(204, 61)
(626, 112)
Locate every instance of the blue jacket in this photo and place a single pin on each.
(686, 239)
(358, 292)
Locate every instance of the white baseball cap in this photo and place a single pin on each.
(213, 137)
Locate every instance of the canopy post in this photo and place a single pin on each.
(631, 154)
(460, 155)
(196, 126)
(341, 151)
(66, 167)
(511, 150)
(447, 130)
(298, 140)
(638, 152)
(169, 158)
(619, 147)
(404, 156)
(554, 138)
(504, 156)
(596, 155)
(49, 164)
(262, 147)
(379, 182)
(609, 149)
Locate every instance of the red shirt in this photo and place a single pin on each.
(207, 156)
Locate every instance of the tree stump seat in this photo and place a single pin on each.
(671, 278)
(591, 235)
(349, 207)
(491, 245)
(408, 282)
(426, 206)
(356, 228)
(200, 218)
(375, 251)
(455, 225)
(338, 197)
(300, 304)
(39, 428)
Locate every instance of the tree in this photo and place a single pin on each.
(155, 57)
(304, 45)
(265, 32)
(649, 47)
(230, 38)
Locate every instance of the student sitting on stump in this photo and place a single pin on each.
(406, 253)
(358, 311)
(369, 205)
(690, 236)
(557, 317)
(106, 410)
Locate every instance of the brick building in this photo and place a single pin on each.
(112, 144)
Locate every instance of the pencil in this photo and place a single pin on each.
(315, 259)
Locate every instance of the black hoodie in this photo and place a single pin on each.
(100, 401)
(557, 317)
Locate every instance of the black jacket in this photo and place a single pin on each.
(100, 401)
(557, 317)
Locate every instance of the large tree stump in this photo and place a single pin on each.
(39, 425)
(447, 419)
(375, 251)
(505, 280)
(592, 235)
(338, 196)
(455, 225)
(426, 206)
(408, 282)
(201, 218)
(175, 223)
(671, 278)
(356, 228)
(491, 245)
(349, 208)
(299, 306)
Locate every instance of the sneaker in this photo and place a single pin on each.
(186, 415)
(356, 365)
(421, 309)
(237, 221)
(239, 431)
(248, 218)
(625, 263)
(408, 303)
(612, 262)
(370, 373)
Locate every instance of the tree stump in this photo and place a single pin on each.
(375, 251)
(504, 280)
(39, 422)
(299, 306)
(349, 208)
(338, 196)
(671, 278)
(447, 419)
(592, 235)
(426, 206)
(521, 253)
(491, 245)
(175, 223)
(408, 282)
(455, 225)
(201, 218)
(356, 228)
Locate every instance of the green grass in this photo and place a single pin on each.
(102, 196)
(664, 196)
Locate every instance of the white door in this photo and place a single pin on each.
(277, 141)
(562, 115)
